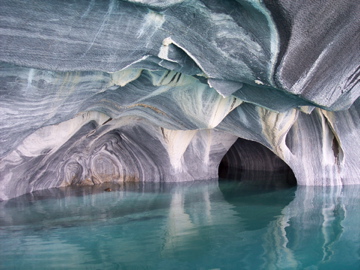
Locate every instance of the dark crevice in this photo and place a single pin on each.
(336, 144)
(289, 139)
(252, 162)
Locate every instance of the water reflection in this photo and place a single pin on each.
(196, 225)
(318, 230)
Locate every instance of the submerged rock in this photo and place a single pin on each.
(113, 91)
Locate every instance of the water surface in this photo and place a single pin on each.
(197, 225)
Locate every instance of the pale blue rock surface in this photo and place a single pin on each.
(112, 91)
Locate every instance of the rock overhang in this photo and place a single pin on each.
(188, 77)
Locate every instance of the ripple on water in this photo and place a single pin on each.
(201, 225)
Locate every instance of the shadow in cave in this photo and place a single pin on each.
(256, 182)
(254, 164)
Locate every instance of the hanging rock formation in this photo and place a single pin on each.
(147, 90)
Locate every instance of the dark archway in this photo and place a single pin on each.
(252, 162)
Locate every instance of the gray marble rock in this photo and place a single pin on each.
(146, 90)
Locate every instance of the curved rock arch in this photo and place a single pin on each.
(183, 80)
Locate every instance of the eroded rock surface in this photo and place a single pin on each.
(145, 90)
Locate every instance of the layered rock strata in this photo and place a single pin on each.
(97, 91)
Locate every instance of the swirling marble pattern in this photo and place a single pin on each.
(146, 90)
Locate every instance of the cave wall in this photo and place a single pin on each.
(147, 90)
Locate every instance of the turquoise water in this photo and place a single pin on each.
(197, 225)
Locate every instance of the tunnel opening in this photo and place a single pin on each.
(252, 163)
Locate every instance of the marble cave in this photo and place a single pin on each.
(96, 91)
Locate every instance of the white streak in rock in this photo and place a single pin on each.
(89, 8)
(50, 138)
(152, 23)
(164, 49)
(123, 77)
(274, 36)
(275, 127)
(102, 26)
(223, 107)
(177, 142)
(30, 78)
(306, 76)
(259, 82)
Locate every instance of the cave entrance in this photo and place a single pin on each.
(252, 162)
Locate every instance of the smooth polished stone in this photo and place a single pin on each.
(147, 90)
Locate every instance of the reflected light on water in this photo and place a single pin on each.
(197, 225)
